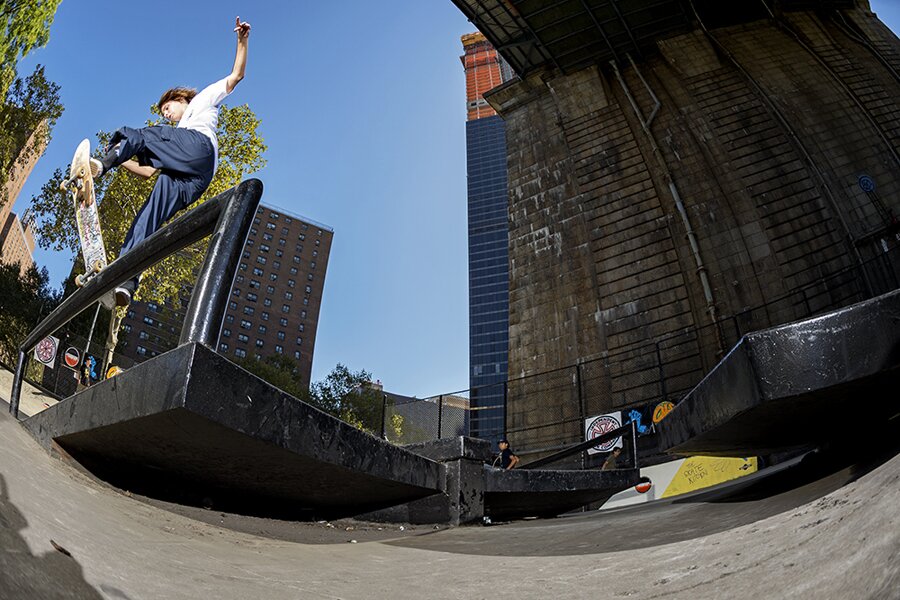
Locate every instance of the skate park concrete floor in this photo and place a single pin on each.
(65, 535)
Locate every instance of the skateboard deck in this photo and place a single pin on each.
(80, 185)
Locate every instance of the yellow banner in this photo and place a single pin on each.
(698, 472)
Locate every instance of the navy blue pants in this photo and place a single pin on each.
(186, 162)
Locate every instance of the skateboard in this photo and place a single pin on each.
(80, 185)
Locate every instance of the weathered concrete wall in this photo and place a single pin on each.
(764, 129)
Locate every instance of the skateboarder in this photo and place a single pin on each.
(185, 156)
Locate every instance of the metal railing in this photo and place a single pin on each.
(227, 218)
(635, 378)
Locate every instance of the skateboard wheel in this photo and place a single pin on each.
(79, 280)
(81, 172)
(97, 266)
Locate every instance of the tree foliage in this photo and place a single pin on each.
(343, 393)
(24, 300)
(27, 116)
(121, 194)
(24, 25)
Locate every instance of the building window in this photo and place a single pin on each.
(283, 322)
(312, 265)
(131, 314)
(254, 284)
(282, 241)
(246, 254)
(267, 237)
(297, 355)
(248, 310)
(257, 271)
(289, 295)
(301, 237)
(293, 270)
(240, 353)
(264, 316)
(317, 242)
(306, 302)
(263, 247)
(223, 347)
(245, 324)
(232, 305)
(242, 337)
(309, 289)
(236, 292)
(315, 253)
(267, 302)
(276, 265)
(261, 260)
(279, 350)
(291, 283)
(226, 333)
(141, 350)
(309, 276)
(259, 343)
(297, 259)
(299, 341)
(273, 277)
(229, 318)
(144, 335)
(270, 226)
(285, 308)
(253, 231)
(262, 328)
(127, 328)
(281, 335)
(298, 248)
(278, 252)
(250, 243)
(148, 320)
(301, 327)
(270, 289)
(153, 306)
(273, 215)
(302, 314)
(243, 266)
(251, 297)
(284, 231)
(319, 232)
(239, 279)
(305, 227)
(288, 220)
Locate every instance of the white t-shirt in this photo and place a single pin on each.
(202, 113)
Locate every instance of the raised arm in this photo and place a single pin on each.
(240, 57)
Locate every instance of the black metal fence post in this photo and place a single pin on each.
(383, 413)
(440, 414)
(663, 391)
(505, 400)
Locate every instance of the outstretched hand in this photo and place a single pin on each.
(242, 29)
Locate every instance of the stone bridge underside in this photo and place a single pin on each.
(682, 172)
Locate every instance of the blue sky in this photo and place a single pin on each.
(363, 109)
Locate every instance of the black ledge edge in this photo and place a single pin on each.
(519, 493)
(455, 448)
(805, 384)
(191, 420)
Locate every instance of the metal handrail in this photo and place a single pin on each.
(227, 217)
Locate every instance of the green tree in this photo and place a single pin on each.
(343, 393)
(24, 25)
(122, 194)
(27, 116)
(24, 301)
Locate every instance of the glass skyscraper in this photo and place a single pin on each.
(488, 241)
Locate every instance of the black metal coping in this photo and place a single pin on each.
(192, 427)
(815, 382)
(519, 493)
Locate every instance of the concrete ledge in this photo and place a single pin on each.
(533, 493)
(191, 426)
(795, 386)
(453, 449)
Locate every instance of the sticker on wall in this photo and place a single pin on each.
(662, 409)
(45, 351)
(698, 472)
(594, 427)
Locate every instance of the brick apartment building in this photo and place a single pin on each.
(16, 235)
(275, 302)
